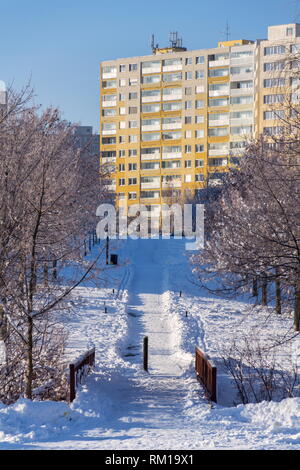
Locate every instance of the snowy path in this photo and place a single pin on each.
(149, 300)
(121, 406)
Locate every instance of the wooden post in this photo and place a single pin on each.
(145, 353)
(84, 244)
(72, 383)
(180, 293)
(107, 248)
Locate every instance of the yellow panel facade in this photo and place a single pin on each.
(174, 121)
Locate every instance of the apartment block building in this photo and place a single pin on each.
(174, 121)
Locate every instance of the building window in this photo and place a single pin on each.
(122, 82)
(188, 75)
(188, 134)
(133, 138)
(132, 196)
(132, 166)
(122, 153)
(199, 134)
(188, 61)
(132, 181)
(188, 120)
(132, 67)
(188, 105)
(133, 124)
(122, 111)
(200, 60)
(133, 95)
(199, 74)
(122, 167)
(188, 91)
(199, 148)
(122, 124)
(274, 50)
(133, 109)
(188, 164)
(289, 31)
(199, 104)
(188, 149)
(199, 119)
(122, 182)
(199, 163)
(199, 177)
(273, 82)
(132, 153)
(122, 97)
(133, 81)
(122, 68)
(122, 139)
(271, 99)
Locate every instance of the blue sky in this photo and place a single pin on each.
(60, 43)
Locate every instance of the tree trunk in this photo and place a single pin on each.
(29, 365)
(254, 288)
(45, 274)
(278, 293)
(297, 307)
(264, 292)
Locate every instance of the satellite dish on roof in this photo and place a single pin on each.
(2, 86)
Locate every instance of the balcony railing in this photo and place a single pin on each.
(167, 155)
(224, 92)
(108, 104)
(150, 99)
(218, 152)
(172, 68)
(218, 63)
(150, 185)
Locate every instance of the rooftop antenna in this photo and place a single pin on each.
(227, 32)
(153, 45)
(175, 40)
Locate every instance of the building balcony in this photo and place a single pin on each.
(171, 184)
(108, 104)
(218, 63)
(155, 127)
(218, 152)
(150, 99)
(241, 91)
(242, 76)
(165, 156)
(173, 126)
(249, 60)
(150, 185)
(241, 122)
(218, 122)
(172, 68)
(172, 97)
(108, 160)
(109, 132)
(213, 93)
(149, 70)
(150, 156)
(106, 76)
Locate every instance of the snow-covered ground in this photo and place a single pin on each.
(123, 407)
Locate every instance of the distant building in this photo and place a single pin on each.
(3, 95)
(176, 120)
(87, 140)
